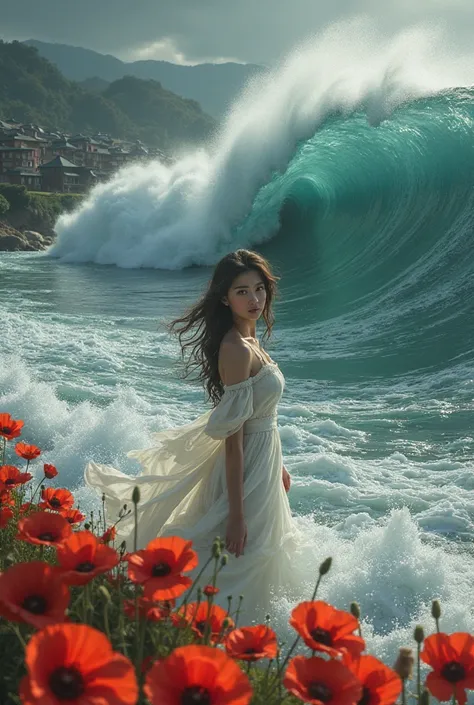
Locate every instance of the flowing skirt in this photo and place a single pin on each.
(183, 492)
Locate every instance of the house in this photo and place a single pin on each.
(24, 177)
(59, 175)
(17, 140)
(18, 158)
(63, 148)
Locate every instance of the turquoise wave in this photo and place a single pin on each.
(373, 231)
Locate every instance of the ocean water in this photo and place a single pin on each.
(353, 172)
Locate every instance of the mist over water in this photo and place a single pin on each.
(352, 169)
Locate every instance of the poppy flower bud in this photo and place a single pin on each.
(216, 548)
(435, 609)
(325, 566)
(419, 634)
(136, 495)
(87, 526)
(404, 663)
(355, 610)
(224, 560)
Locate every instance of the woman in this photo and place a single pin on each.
(223, 474)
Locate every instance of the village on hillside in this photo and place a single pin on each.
(56, 162)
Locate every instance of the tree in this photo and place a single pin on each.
(4, 205)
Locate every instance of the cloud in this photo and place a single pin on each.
(191, 31)
(166, 49)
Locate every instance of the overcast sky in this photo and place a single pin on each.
(192, 31)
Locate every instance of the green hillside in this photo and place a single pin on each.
(214, 86)
(33, 90)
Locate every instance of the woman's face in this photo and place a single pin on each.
(247, 296)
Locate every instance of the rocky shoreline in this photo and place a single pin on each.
(13, 240)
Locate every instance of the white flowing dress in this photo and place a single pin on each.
(183, 490)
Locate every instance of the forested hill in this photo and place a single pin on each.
(214, 86)
(33, 90)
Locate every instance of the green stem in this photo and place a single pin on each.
(404, 692)
(103, 512)
(4, 450)
(137, 621)
(121, 617)
(210, 600)
(189, 592)
(135, 533)
(141, 647)
(16, 629)
(106, 619)
(36, 490)
(316, 588)
(418, 671)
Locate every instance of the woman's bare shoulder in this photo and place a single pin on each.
(235, 359)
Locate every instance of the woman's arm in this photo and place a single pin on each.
(235, 365)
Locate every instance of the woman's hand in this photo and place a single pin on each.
(286, 479)
(236, 535)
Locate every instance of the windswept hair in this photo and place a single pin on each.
(201, 330)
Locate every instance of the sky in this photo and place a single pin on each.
(195, 31)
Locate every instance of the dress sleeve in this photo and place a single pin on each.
(234, 408)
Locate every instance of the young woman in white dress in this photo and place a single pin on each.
(223, 474)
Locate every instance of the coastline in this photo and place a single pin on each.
(13, 240)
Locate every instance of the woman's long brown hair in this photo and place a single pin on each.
(201, 330)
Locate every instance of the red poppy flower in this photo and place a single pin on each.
(324, 628)
(210, 590)
(73, 516)
(451, 656)
(109, 535)
(73, 663)
(6, 499)
(10, 428)
(6, 514)
(197, 674)
(316, 680)
(202, 616)
(252, 643)
(34, 593)
(381, 685)
(82, 557)
(147, 609)
(160, 565)
(44, 528)
(26, 508)
(49, 471)
(11, 477)
(27, 451)
(59, 500)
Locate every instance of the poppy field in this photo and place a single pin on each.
(84, 622)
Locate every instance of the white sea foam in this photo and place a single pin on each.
(393, 561)
(171, 217)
